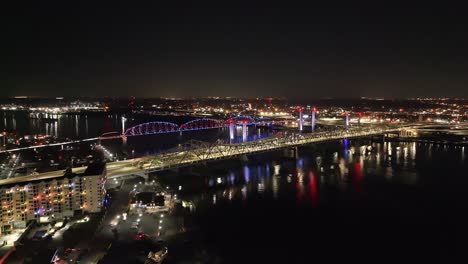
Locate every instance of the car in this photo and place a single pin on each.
(158, 256)
(141, 236)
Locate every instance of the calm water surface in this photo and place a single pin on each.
(80, 126)
(75, 126)
(399, 203)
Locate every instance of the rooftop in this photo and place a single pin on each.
(92, 169)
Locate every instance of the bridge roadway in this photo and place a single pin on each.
(194, 152)
(50, 145)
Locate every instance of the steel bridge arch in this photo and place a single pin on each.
(150, 128)
(243, 119)
(159, 127)
(203, 123)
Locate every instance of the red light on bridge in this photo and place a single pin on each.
(300, 109)
(314, 110)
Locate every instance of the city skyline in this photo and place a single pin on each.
(254, 50)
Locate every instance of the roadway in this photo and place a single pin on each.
(110, 167)
(50, 145)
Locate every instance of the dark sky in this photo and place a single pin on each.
(237, 50)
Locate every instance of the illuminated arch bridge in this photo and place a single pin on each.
(158, 127)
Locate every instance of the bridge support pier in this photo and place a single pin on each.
(378, 138)
(292, 153)
(347, 120)
(244, 132)
(301, 119)
(231, 131)
(312, 121)
(244, 158)
(176, 170)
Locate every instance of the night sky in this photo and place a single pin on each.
(237, 50)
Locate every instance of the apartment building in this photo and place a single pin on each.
(51, 198)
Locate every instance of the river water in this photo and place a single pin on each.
(91, 125)
(397, 203)
(73, 126)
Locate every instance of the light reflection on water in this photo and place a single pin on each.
(376, 198)
(78, 126)
(308, 176)
(74, 126)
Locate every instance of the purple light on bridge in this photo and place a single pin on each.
(231, 131)
(197, 124)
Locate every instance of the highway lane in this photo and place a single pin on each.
(40, 176)
(50, 145)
